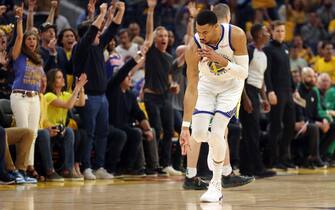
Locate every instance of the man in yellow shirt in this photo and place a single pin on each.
(327, 63)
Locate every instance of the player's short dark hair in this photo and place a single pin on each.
(255, 29)
(206, 17)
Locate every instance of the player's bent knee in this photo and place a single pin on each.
(200, 136)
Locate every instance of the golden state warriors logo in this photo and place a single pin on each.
(216, 68)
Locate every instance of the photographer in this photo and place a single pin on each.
(59, 102)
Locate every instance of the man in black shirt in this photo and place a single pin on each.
(122, 109)
(125, 111)
(158, 87)
(251, 162)
(280, 87)
(88, 58)
(310, 122)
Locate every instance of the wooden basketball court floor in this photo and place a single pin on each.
(296, 189)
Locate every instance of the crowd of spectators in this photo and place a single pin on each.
(104, 98)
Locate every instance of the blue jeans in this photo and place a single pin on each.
(43, 145)
(66, 143)
(80, 137)
(95, 121)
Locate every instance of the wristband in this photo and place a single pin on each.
(186, 124)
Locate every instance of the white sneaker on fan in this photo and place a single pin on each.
(213, 194)
(171, 171)
(101, 173)
(88, 174)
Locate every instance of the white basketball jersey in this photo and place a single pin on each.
(213, 70)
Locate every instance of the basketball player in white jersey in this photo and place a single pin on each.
(216, 75)
(229, 179)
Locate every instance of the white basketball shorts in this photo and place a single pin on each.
(218, 96)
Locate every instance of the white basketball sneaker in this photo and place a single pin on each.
(213, 194)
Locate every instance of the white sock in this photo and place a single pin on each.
(217, 171)
(226, 170)
(191, 172)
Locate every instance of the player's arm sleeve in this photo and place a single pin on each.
(239, 69)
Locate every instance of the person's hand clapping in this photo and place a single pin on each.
(82, 80)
